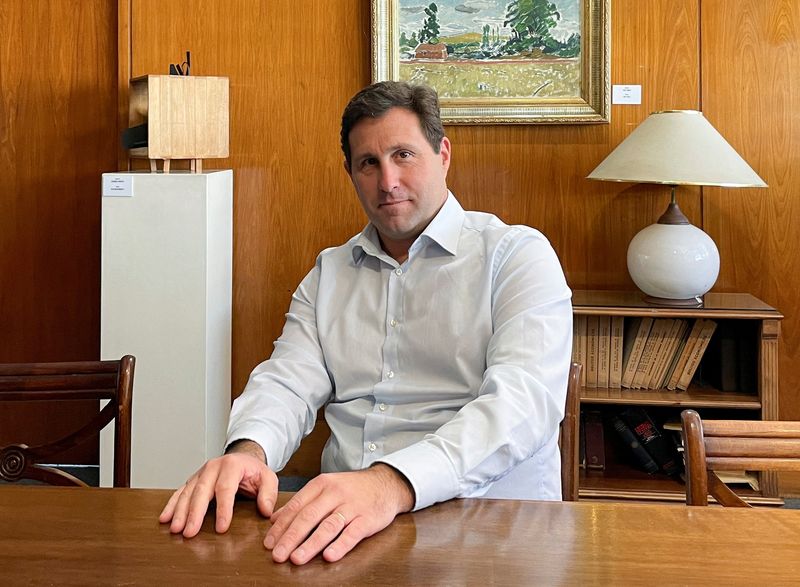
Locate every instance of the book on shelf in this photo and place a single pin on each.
(650, 437)
(579, 344)
(654, 340)
(683, 336)
(659, 350)
(671, 340)
(591, 351)
(638, 452)
(634, 340)
(603, 349)
(615, 360)
(698, 349)
(595, 440)
(686, 351)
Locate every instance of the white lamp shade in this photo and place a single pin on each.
(677, 147)
(673, 261)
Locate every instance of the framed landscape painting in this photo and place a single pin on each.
(499, 61)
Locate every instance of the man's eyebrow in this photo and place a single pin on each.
(391, 149)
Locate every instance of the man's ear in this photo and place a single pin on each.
(445, 153)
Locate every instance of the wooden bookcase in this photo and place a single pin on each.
(757, 327)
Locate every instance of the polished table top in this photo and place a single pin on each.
(73, 536)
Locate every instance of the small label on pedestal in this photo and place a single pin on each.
(117, 185)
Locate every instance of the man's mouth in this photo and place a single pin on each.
(391, 203)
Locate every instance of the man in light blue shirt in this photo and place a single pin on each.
(438, 340)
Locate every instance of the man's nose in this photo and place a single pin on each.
(390, 178)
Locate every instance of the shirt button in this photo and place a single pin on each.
(371, 446)
(398, 271)
(393, 323)
(382, 407)
(390, 374)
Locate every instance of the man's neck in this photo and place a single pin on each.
(397, 250)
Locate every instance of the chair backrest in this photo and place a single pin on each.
(88, 380)
(569, 434)
(734, 445)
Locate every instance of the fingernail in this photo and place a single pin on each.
(300, 554)
(279, 553)
(269, 542)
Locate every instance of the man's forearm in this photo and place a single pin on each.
(248, 447)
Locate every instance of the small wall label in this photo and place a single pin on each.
(626, 94)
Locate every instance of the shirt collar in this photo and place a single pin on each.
(444, 230)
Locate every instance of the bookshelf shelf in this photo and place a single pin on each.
(694, 397)
(742, 348)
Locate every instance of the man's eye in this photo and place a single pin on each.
(404, 154)
(369, 162)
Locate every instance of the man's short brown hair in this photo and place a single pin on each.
(376, 100)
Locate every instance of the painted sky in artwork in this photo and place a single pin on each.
(465, 16)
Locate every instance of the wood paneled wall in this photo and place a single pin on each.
(751, 93)
(57, 134)
(290, 79)
(289, 84)
(293, 65)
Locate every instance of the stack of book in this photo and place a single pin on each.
(640, 353)
(651, 450)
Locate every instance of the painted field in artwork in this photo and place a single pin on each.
(522, 79)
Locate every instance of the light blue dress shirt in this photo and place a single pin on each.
(451, 367)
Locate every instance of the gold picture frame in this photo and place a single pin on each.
(487, 65)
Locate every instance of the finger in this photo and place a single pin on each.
(283, 517)
(267, 495)
(225, 492)
(182, 508)
(296, 522)
(326, 532)
(352, 534)
(169, 509)
(202, 495)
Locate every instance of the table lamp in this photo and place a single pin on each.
(671, 261)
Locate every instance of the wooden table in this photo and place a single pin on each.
(112, 537)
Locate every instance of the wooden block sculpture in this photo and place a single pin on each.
(180, 117)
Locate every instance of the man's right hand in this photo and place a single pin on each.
(243, 469)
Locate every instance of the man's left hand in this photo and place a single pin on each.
(336, 511)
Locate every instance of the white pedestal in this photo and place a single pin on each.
(166, 299)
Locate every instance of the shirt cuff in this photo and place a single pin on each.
(256, 434)
(429, 472)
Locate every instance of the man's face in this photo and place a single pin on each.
(399, 179)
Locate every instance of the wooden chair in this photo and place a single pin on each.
(569, 434)
(90, 380)
(734, 445)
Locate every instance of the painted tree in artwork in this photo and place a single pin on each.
(430, 28)
(530, 22)
(485, 37)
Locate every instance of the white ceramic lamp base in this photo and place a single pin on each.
(673, 263)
